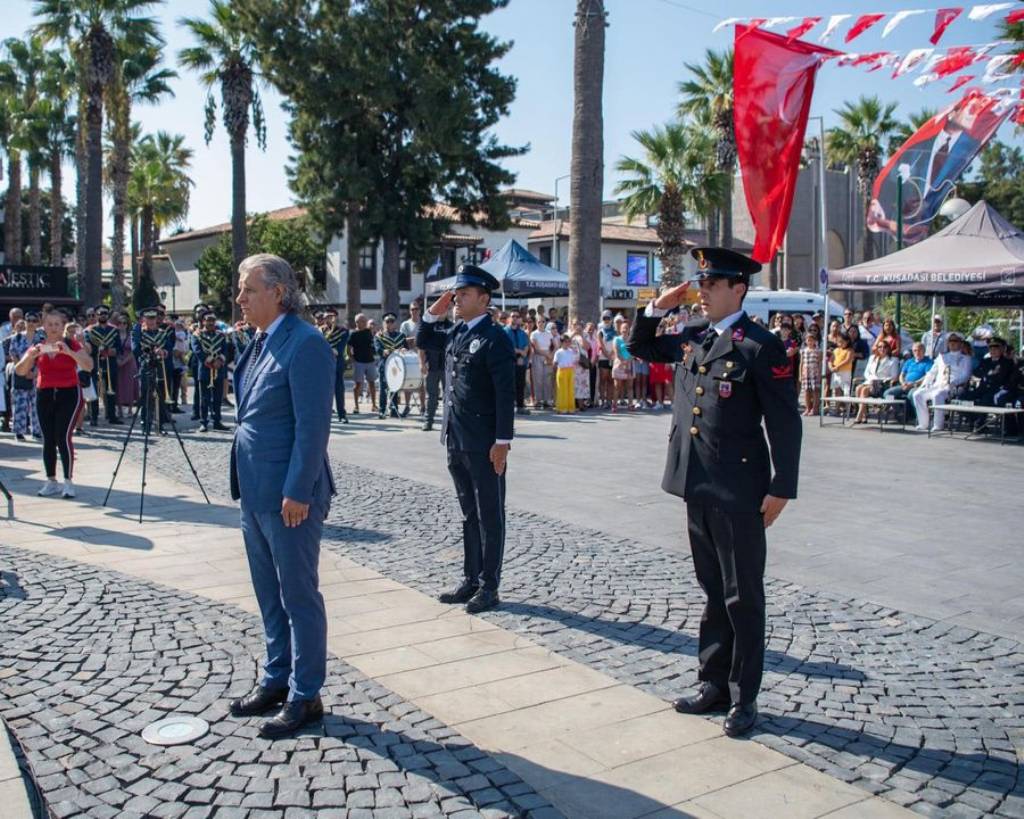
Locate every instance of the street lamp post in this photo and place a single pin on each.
(556, 255)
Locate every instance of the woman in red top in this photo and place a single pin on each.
(890, 335)
(58, 398)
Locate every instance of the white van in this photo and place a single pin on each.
(765, 303)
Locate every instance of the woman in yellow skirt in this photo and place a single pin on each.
(565, 364)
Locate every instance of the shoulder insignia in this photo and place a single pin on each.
(785, 371)
(738, 334)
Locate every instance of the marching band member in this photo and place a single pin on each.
(211, 350)
(105, 341)
(337, 337)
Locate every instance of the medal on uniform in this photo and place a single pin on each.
(474, 345)
(724, 389)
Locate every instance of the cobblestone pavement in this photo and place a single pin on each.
(89, 657)
(924, 713)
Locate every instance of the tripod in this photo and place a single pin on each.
(154, 410)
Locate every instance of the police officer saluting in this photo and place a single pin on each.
(731, 374)
(476, 426)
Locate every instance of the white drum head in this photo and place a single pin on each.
(394, 372)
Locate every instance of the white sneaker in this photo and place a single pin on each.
(49, 489)
(68, 491)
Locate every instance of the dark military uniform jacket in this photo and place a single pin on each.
(717, 452)
(479, 379)
(994, 375)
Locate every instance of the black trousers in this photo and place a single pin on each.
(155, 398)
(434, 378)
(210, 396)
(521, 386)
(58, 410)
(339, 386)
(101, 376)
(728, 548)
(482, 499)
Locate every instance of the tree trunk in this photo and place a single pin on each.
(93, 285)
(353, 292)
(726, 211)
(56, 210)
(587, 169)
(389, 298)
(12, 219)
(869, 238)
(35, 213)
(80, 203)
(133, 229)
(120, 180)
(712, 227)
(238, 240)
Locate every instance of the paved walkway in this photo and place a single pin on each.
(126, 621)
(12, 787)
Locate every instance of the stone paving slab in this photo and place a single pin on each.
(586, 698)
(13, 797)
(926, 713)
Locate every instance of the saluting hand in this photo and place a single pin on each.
(672, 297)
(440, 307)
(499, 454)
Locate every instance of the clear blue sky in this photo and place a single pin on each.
(648, 42)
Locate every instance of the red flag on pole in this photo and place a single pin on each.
(943, 18)
(864, 22)
(773, 81)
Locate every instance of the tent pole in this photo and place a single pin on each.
(824, 357)
(899, 246)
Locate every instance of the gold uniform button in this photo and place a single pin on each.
(696, 410)
(702, 369)
(729, 365)
(694, 431)
(743, 460)
(699, 390)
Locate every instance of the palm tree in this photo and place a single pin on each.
(89, 28)
(159, 188)
(225, 55)
(57, 86)
(677, 175)
(137, 79)
(586, 181)
(707, 96)
(12, 117)
(859, 143)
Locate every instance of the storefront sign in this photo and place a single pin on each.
(28, 281)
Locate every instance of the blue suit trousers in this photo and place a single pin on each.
(284, 566)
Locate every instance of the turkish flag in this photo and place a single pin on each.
(800, 30)
(943, 18)
(773, 80)
(864, 22)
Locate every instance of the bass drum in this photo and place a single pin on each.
(402, 371)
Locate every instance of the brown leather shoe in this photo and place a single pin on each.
(258, 701)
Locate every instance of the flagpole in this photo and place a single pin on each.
(899, 245)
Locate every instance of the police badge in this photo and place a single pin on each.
(474, 345)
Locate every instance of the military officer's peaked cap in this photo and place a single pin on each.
(103, 310)
(390, 317)
(719, 261)
(151, 312)
(329, 311)
(469, 275)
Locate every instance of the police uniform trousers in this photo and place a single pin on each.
(339, 386)
(481, 495)
(211, 396)
(729, 548)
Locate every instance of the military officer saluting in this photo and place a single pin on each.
(337, 338)
(731, 374)
(476, 426)
(211, 351)
(106, 345)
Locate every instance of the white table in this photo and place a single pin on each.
(976, 409)
(849, 401)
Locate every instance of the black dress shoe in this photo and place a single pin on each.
(114, 421)
(293, 716)
(482, 601)
(709, 698)
(740, 719)
(258, 701)
(428, 425)
(217, 425)
(463, 594)
(195, 417)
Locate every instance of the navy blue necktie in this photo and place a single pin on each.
(257, 348)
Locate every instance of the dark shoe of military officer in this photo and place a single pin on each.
(258, 701)
(292, 717)
(732, 379)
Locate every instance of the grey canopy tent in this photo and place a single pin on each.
(978, 256)
(519, 272)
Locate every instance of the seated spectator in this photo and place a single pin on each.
(882, 370)
(841, 366)
(891, 335)
(810, 373)
(911, 375)
(995, 374)
(948, 376)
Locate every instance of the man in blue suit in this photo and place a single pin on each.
(281, 475)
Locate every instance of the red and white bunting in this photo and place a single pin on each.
(960, 82)
(1015, 17)
(800, 30)
(898, 18)
(943, 19)
(864, 22)
(833, 23)
(979, 13)
(912, 59)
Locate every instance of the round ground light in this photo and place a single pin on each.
(175, 731)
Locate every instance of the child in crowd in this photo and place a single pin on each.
(565, 375)
(841, 366)
(810, 374)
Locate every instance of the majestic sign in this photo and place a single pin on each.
(25, 281)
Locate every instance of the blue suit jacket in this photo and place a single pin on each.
(284, 420)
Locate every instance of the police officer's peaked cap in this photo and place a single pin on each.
(997, 341)
(719, 261)
(329, 311)
(151, 312)
(469, 275)
(390, 317)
